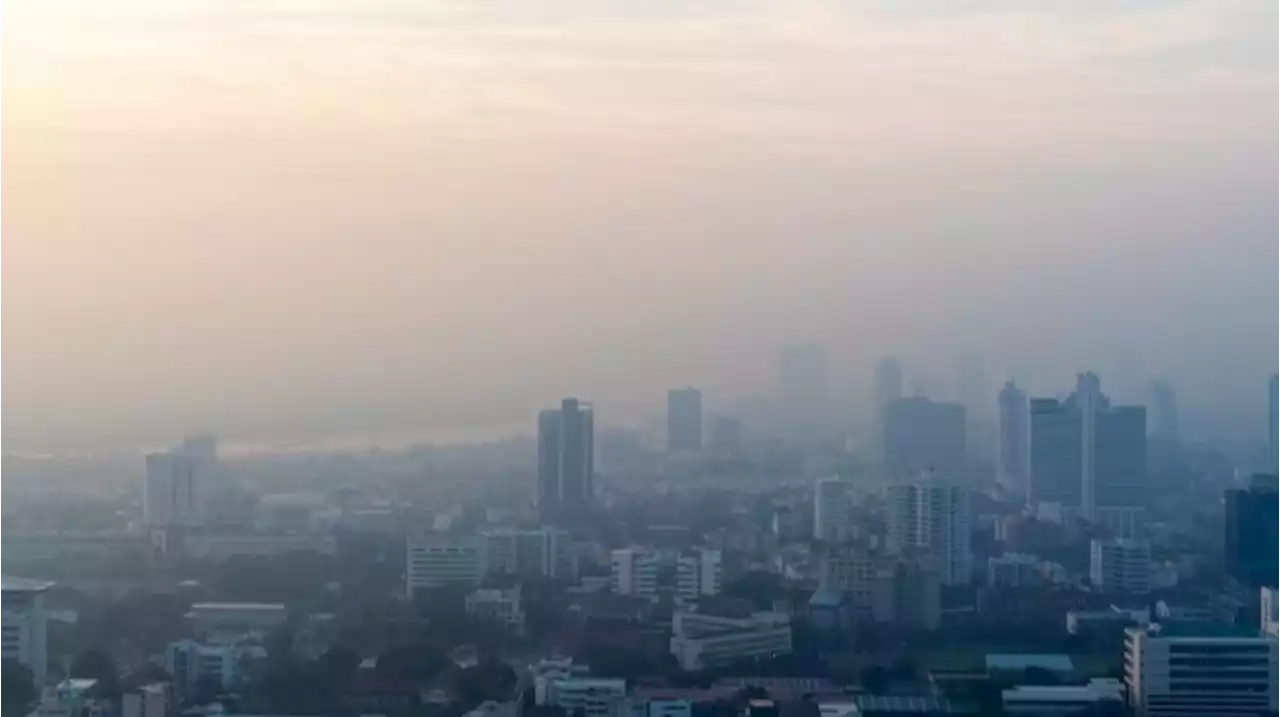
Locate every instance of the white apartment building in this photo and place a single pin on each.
(698, 574)
(497, 605)
(831, 504)
(596, 697)
(934, 516)
(541, 553)
(24, 625)
(435, 561)
(1120, 566)
(634, 572)
(699, 640)
(1185, 668)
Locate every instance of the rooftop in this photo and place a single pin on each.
(1017, 662)
(1202, 628)
(23, 585)
(238, 606)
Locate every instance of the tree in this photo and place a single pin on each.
(489, 680)
(874, 679)
(17, 687)
(338, 664)
(206, 689)
(903, 668)
(97, 665)
(416, 662)
(1035, 675)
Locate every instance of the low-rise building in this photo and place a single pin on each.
(701, 640)
(1062, 700)
(1181, 668)
(229, 665)
(24, 625)
(1080, 622)
(595, 697)
(435, 561)
(1120, 566)
(231, 621)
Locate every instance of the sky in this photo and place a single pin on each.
(289, 218)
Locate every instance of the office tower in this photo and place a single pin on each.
(1273, 412)
(174, 489)
(698, 574)
(25, 626)
(565, 456)
(802, 388)
(634, 572)
(1120, 566)
(1250, 545)
(438, 560)
(921, 436)
(1014, 464)
(684, 420)
(932, 516)
(971, 385)
(831, 510)
(1176, 668)
(726, 436)
(1089, 458)
(204, 445)
(1163, 409)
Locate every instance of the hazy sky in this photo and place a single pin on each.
(280, 217)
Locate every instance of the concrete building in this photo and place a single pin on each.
(1063, 700)
(566, 463)
(594, 696)
(907, 593)
(228, 664)
(921, 436)
(231, 621)
(1120, 566)
(1014, 458)
(1014, 570)
(831, 509)
(933, 516)
(634, 571)
(698, 574)
(501, 606)
(1251, 535)
(684, 420)
(1175, 668)
(24, 624)
(174, 487)
(1089, 458)
(153, 700)
(699, 641)
(435, 561)
(851, 572)
(535, 553)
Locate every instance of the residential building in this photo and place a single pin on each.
(922, 436)
(174, 487)
(24, 624)
(699, 640)
(1175, 668)
(634, 572)
(1120, 565)
(1014, 570)
(1014, 463)
(831, 508)
(684, 420)
(934, 516)
(1163, 410)
(698, 574)
(1251, 535)
(907, 593)
(501, 606)
(1063, 700)
(536, 553)
(1089, 458)
(566, 465)
(435, 561)
(229, 665)
(593, 696)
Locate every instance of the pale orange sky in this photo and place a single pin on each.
(277, 216)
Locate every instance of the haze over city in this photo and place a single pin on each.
(300, 220)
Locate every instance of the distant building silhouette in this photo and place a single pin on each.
(726, 436)
(1250, 545)
(684, 420)
(1014, 461)
(565, 456)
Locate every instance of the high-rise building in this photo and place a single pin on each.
(831, 510)
(25, 626)
(173, 492)
(698, 574)
(1120, 566)
(684, 420)
(726, 436)
(1014, 464)
(932, 516)
(1175, 668)
(921, 436)
(1163, 409)
(1251, 535)
(434, 561)
(566, 456)
(1273, 434)
(802, 388)
(1089, 458)
(634, 571)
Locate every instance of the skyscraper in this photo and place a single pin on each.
(921, 436)
(933, 516)
(173, 490)
(1090, 458)
(1014, 462)
(1273, 444)
(565, 455)
(1163, 405)
(802, 388)
(1251, 535)
(684, 420)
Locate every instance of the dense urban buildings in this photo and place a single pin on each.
(1251, 535)
(566, 449)
(932, 516)
(921, 435)
(1014, 456)
(1089, 458)
(684, 420)
(1120, 565)
(25, 624)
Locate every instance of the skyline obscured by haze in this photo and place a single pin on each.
(285, 218)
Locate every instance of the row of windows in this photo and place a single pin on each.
(1219, 687)
(1238, 649)
(1217, 662)
(1192, 674)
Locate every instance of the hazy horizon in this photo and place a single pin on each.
(290, 219)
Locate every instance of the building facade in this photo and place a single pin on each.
(566, 456)
(1014, 463)
(1251, 535)
(437, 561)
(831, 510)
(24, 624)
(1120, 566)
(1200, 668)
(933, 516)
